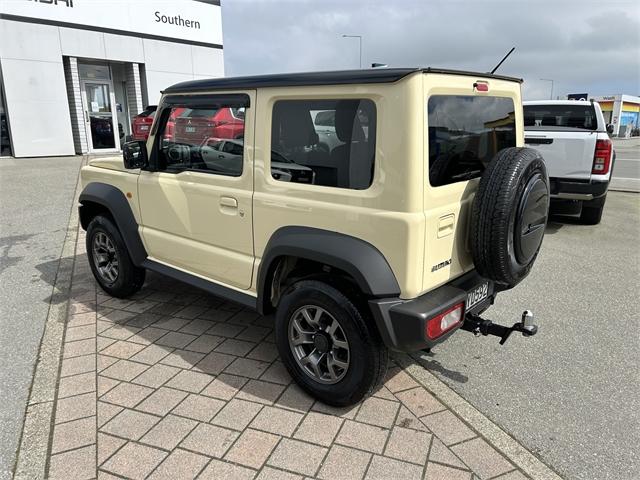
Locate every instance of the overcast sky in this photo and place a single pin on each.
(585, 46)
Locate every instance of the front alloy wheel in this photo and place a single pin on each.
(105, 257)
(319, 344)
(109, 259)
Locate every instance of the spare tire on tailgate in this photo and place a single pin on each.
(509, 215)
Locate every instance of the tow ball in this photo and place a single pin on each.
(479, 326)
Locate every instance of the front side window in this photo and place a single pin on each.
(202, 139)
(465, 132)
(324, 142)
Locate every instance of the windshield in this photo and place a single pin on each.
(565, 116)
(465, 132)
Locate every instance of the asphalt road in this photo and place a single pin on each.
(571, 394)
(626, 171)
(35, 198)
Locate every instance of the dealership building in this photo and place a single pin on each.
(75, 72)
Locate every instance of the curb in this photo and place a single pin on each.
(32, 454)
(510, 448)
(621, 184)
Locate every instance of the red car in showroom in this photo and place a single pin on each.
(193, 126)
(141, 124)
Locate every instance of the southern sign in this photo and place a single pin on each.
(185, 19)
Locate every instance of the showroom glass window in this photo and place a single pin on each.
(327, 143)
(465, 132)
(202, 139)
(5, 139)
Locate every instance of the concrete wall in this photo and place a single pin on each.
(31, 56)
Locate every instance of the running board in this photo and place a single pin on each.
(479, 326)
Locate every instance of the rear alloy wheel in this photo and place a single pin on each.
(319, 344)
(330, 346)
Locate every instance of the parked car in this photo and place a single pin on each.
(324, 123)
(199, 124)
(226, 156)
(396, 243)
(572, 136)
(141, 124)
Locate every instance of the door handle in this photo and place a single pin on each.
(538, 141)
(228, 202)
(445, 225)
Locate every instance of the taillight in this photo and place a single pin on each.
(602, 157)
(445, 321)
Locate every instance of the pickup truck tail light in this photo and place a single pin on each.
(445, 321)
(602, 157)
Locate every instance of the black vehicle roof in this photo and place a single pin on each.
(339, 77)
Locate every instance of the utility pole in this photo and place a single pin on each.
(359, 37)
(549, 80)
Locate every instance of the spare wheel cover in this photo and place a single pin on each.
(531, 219)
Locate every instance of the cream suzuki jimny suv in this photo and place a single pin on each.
(368, 210)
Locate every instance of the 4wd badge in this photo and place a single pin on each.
(441, 265)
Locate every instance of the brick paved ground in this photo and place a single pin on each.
(178, 384)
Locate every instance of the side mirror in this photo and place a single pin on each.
(609, 128)
(134, 154)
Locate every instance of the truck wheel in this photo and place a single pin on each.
(509, 215)
(109, 259)
(592, 214)
(327, 344)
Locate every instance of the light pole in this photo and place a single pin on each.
(359, 37)
(549, 80)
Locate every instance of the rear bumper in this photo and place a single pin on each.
(564, 189)
(402, 323)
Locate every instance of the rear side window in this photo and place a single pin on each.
(324, 142)
(465, 132)
(563, 116)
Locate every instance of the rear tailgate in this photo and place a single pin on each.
(565, 133)
(567, 154)
(465, 127)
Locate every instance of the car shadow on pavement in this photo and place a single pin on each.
(178, 328)
(556, 222)
(430, 363)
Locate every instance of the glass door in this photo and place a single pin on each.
(100, 117)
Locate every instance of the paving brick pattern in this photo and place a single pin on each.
(176, 384)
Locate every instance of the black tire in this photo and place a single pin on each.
(368, 356)
(592, 214)
(129, 278)
(509, 215)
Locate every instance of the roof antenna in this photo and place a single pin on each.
(502, 61)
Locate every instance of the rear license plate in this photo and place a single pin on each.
(190, 129)
(144, 128)
(477, 295)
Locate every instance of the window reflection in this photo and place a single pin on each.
(465, 132)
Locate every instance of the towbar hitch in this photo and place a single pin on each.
(479, 326)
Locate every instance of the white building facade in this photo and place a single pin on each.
(74, 73)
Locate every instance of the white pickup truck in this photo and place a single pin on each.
(572, 138)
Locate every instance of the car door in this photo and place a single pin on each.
(197, 215)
